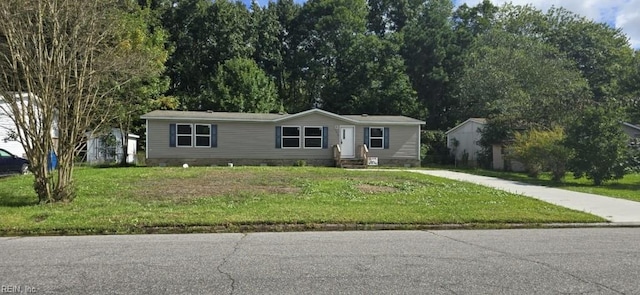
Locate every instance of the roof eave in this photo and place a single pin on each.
(462, 124)
(207, 119)
(631, 126)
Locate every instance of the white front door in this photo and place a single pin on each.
(347, 142)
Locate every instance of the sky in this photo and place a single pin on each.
(623, 14)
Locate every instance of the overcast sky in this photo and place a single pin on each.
(624, 14)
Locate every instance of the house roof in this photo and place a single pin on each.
(259, 117)
(481, 121)
(636, 127)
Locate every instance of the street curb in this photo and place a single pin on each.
(247, 228)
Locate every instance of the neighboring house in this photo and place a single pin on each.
(8, 138)
(632, 130)
(108, 147)
(463, 139)
(316, 137)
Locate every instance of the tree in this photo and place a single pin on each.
(598, 144)
(188, 66)
(387, 17)
(241, 86)
(521, 82)
(371, 79)
(68, 57)
(323, 31)
(602, 53)
(427, 46)
(145, 92)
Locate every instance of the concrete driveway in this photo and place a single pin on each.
(612, 209)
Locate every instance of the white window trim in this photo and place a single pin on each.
(304, 143)
(195, 135)
(371, 137)
(178, 135)
(299, 137)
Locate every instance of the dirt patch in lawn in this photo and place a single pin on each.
(214, 183)
(375, 189)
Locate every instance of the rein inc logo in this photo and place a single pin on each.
(17, 289)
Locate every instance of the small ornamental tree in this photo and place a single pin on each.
(61, 63)
(541, 150)
(598, 144)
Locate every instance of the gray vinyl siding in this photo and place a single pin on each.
(403, 142)
(257, 140)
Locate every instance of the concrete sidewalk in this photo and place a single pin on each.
(612, 209)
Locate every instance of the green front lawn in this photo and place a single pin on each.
(137, 199)
(626, 188)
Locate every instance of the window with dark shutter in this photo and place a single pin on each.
(376, 137)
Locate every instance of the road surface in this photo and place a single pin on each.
(540, 261)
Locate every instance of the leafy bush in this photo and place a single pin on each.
(434, 148)
(541, 150)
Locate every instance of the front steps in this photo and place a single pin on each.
(352, 163)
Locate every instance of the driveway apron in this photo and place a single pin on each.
(612, 209)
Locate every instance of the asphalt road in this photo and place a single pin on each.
(532, 261)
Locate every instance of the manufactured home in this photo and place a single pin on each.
(316, 137)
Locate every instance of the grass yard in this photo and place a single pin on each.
(141, 199)
(626, 188)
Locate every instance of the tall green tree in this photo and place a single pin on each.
(324, 30)
(145, 92)
(598, 144)
(204, 34)
(521, 81)
(371, 79)
(391, 16)
(241, 86)
(602, 53)
(188, 66)
(290, 86)
(266, 30)
(427, 46)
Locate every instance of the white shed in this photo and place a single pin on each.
(108, 147)
(462, 140)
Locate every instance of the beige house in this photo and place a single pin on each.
(316, 137)
(632, 130)
(462, 141)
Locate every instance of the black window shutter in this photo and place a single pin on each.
(278, 137)
(366, 136)
(214, 135)
(386, 137)
(325, 137)
(172, 135)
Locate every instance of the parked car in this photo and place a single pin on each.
(10, 163)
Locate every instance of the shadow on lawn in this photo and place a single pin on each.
(8, 199)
